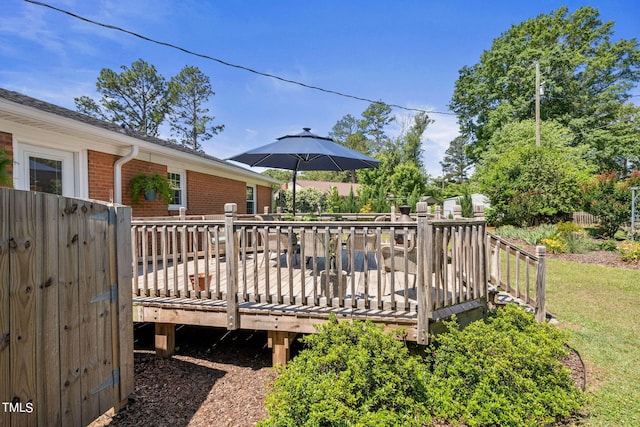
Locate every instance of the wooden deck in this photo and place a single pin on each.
(272, 275)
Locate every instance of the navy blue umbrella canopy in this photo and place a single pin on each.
(306, 152)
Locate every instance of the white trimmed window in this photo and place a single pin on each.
(178, 181)
(47, 170)
(251, 199)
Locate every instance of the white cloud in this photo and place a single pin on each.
(435, 141)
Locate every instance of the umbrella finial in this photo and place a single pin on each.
(306, 129)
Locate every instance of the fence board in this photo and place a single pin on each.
(5, 384)
(103, 309)
(69, 301)
(22, 304)
(87, 321)
(48, 318)
(125, 314)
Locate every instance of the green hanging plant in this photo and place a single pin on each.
(4, 166)
(151, 186)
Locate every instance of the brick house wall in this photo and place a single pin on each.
(207, 194)
(264, 198)
(101, 175)
(6, 145)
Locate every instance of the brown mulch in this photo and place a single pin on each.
(216, 378)
(220, 378)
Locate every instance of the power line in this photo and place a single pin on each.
(228, 64)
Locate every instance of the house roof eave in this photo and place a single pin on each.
(32, 112)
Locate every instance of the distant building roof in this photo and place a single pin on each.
(430, 200)
(344, 188)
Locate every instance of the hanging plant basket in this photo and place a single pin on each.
(150, 186)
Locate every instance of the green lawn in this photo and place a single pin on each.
(600, 306)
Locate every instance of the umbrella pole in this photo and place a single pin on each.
(295, 172)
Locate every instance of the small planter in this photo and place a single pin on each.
(202, 281)
(150, 194)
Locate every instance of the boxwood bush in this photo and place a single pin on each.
(350, 374)
(504, 371)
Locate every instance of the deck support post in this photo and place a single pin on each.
(424, 253)
(541, 305)
(233, 316)
(280, 344)
(165, 339)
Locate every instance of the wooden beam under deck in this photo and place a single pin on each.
(266, 317)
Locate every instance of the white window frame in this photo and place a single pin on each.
(183, 189)
(255, 199)
(71, 185)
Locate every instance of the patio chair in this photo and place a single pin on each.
(315, 246)
(217, 247)
(366, 244)
(403, 261)
(270, 241)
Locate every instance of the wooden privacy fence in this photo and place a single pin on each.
(519, 273)
(66, 330)
(584, 219)
(364, 268)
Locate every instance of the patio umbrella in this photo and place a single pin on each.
(305, 152)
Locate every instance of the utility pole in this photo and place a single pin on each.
(537, 104)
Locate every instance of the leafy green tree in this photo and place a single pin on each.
(374, 120)
(410, 141)
(616, 145)
(308, 200)
(189, 91)
(278, 174)
(348, 132)
(527, 184)
(466, 202)
(406, 180)
(456, 162)
(334, 201)
(609, 198)
(587, 77)
(137, 98)
(349, 203)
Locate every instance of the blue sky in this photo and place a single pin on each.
(401, 52)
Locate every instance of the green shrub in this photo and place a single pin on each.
(566, 228)
(537, 234)
(532, 236)
(504, 371)
(608, 245)
(629, 251)
(576, 243)
(349, 374)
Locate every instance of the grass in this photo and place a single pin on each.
(600, 307)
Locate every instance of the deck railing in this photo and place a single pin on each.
(518, 272)
(349, 265)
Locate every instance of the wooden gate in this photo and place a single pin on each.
(66, 332)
